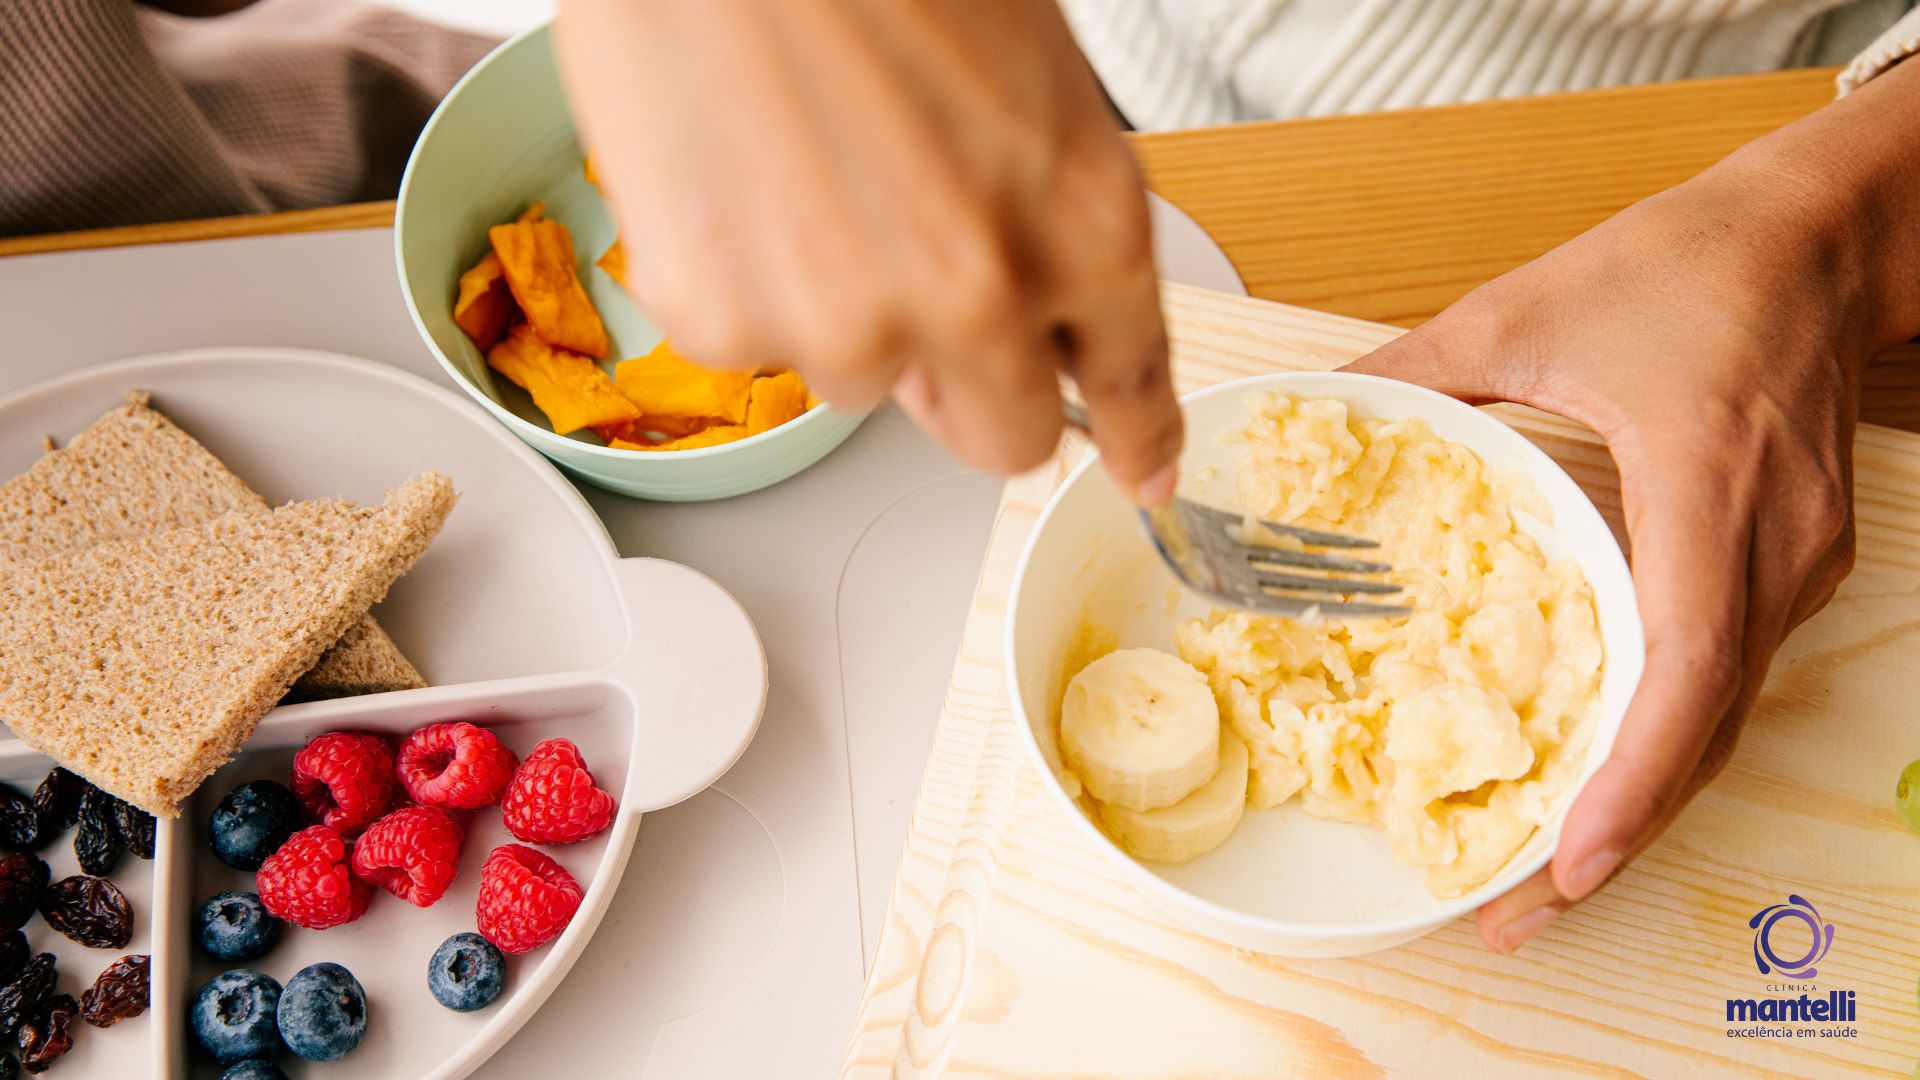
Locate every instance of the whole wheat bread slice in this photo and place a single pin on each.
(142, 664)
(134, 471)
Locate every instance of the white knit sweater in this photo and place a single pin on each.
(1184, 63)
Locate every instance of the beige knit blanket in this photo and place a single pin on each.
(115, 114)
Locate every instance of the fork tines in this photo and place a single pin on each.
(1266, 583)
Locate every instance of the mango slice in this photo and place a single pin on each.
(774, 400)
(646, 428)
(713, 436)
(485, 305)
(664, 383)
(525, 305)
(613, 262)
(570, 388)
(537, 258)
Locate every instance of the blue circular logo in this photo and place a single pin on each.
(1770, 962)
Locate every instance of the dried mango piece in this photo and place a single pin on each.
(535, 211)
(643, 429)
(586, 168)
(712, 436)
(774, 400)
(568, 387)
(537, 257)
(664, 383)
(485, 304)
(613, 262)
(675, 427)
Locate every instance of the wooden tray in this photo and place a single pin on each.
(1011, 950)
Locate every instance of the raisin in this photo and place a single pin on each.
(120, 993)
(97, 845)
(90, 910)
(20, 822)
(13, 957)
(57, 799)
(19, 998)
(45, 1036)
(135, 827)
(23, 877)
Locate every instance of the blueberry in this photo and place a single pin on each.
(323, 1014)
(234, 1016)
(466, 972)
(252, 822)
(254, 1070)
(235, 926)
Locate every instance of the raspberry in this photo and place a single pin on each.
(526, 899)
(552, 799)
(308, 881)
(344, 779)
(412, 853)
(457, 765)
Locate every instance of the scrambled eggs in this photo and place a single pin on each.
(1455, 729)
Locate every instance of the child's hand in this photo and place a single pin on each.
(927, 197)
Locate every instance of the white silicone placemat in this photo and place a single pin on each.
(737, 944)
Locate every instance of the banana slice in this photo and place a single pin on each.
(1140, 729)
(1193, 826)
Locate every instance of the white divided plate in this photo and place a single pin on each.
(522, 614)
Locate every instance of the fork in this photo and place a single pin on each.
(1210, 551)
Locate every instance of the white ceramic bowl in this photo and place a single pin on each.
(1286, 882)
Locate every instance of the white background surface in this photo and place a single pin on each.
(739, 939)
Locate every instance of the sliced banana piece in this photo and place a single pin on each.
(1193, 826)
(1140, 729)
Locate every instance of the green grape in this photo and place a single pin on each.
(1906, 795)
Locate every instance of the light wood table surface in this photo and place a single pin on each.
(1017, 946)
(1392, 216)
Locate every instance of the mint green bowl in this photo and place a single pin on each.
(503, 138)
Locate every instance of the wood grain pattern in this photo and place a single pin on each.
(1011, 951)
(1392, 216)
(373, 215)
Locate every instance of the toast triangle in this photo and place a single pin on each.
(142, 664)
(134, 471)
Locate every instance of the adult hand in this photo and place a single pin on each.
(927, 197)
(1714, 336)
